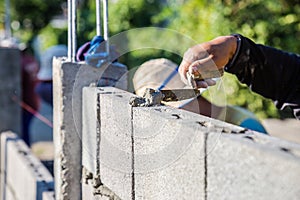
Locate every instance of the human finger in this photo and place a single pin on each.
(210, 82)
(201, 84)
(205, 69)
(183, 69)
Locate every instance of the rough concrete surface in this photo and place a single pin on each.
(252, 166)
(24, 175)
(107, 148)
(10, 90)
(50, 195)
(288, 129)
(5, 138)
(87, 190)
(93, 188)
(68, 81)
(67, 169)
(168, 157)
(151, 97)
(90, 128)
(175, 154)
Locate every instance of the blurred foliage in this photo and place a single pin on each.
(30, 16)
(271, 22)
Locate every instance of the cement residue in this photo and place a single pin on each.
(150, 97)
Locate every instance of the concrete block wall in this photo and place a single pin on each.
(166, 153)
(10, 89)
(23, 176)
(68, 81)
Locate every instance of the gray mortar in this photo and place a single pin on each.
(99, 188)
(150, 97)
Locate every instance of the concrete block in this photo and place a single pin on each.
(107, 138)
(10, 90)
(68, 81)
(67, 149)
(10, 194)
(5, 139)
(165, 143)
(87, 191)
(90, 129)
(252, 166)
(92, 191)
(168, 154)
(25, 175)
(96, 105)
(49, 195)
(116, 143)
(165, 153)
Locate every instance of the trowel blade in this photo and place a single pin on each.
(179, 94)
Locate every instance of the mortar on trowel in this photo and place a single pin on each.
(160, 72)
(152, 97)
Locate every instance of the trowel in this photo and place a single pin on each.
(179, 94)
(152, 97)
(183, 94)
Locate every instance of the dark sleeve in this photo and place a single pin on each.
(270, 72)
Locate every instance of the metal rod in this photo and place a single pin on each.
(7, 19)
(105, 25)
(70, 30)
(74, 29)
(98, 17)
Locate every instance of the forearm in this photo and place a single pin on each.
(268, 71)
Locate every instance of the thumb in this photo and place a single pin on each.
(205, 69)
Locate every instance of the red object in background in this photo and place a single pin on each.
(30, 68)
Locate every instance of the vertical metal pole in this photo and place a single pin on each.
(7, 19)
(105, 25)
(72, 29)
(98, 17)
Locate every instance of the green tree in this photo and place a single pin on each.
(274, 23)
(31, 15)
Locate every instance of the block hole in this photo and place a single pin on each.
(226, 130)
(203, 123)
(243, 131)
(158, 109)
(23, 152)
(249, 137)
(285, 149)
(176, 116)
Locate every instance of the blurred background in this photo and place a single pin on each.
(271, 22)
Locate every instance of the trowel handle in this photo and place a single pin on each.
(208, 75)
(192, 78)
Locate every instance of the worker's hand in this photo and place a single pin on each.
(207, 57)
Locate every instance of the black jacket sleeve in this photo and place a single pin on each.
(273, 73)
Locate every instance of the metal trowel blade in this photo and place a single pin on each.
(179, 94)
